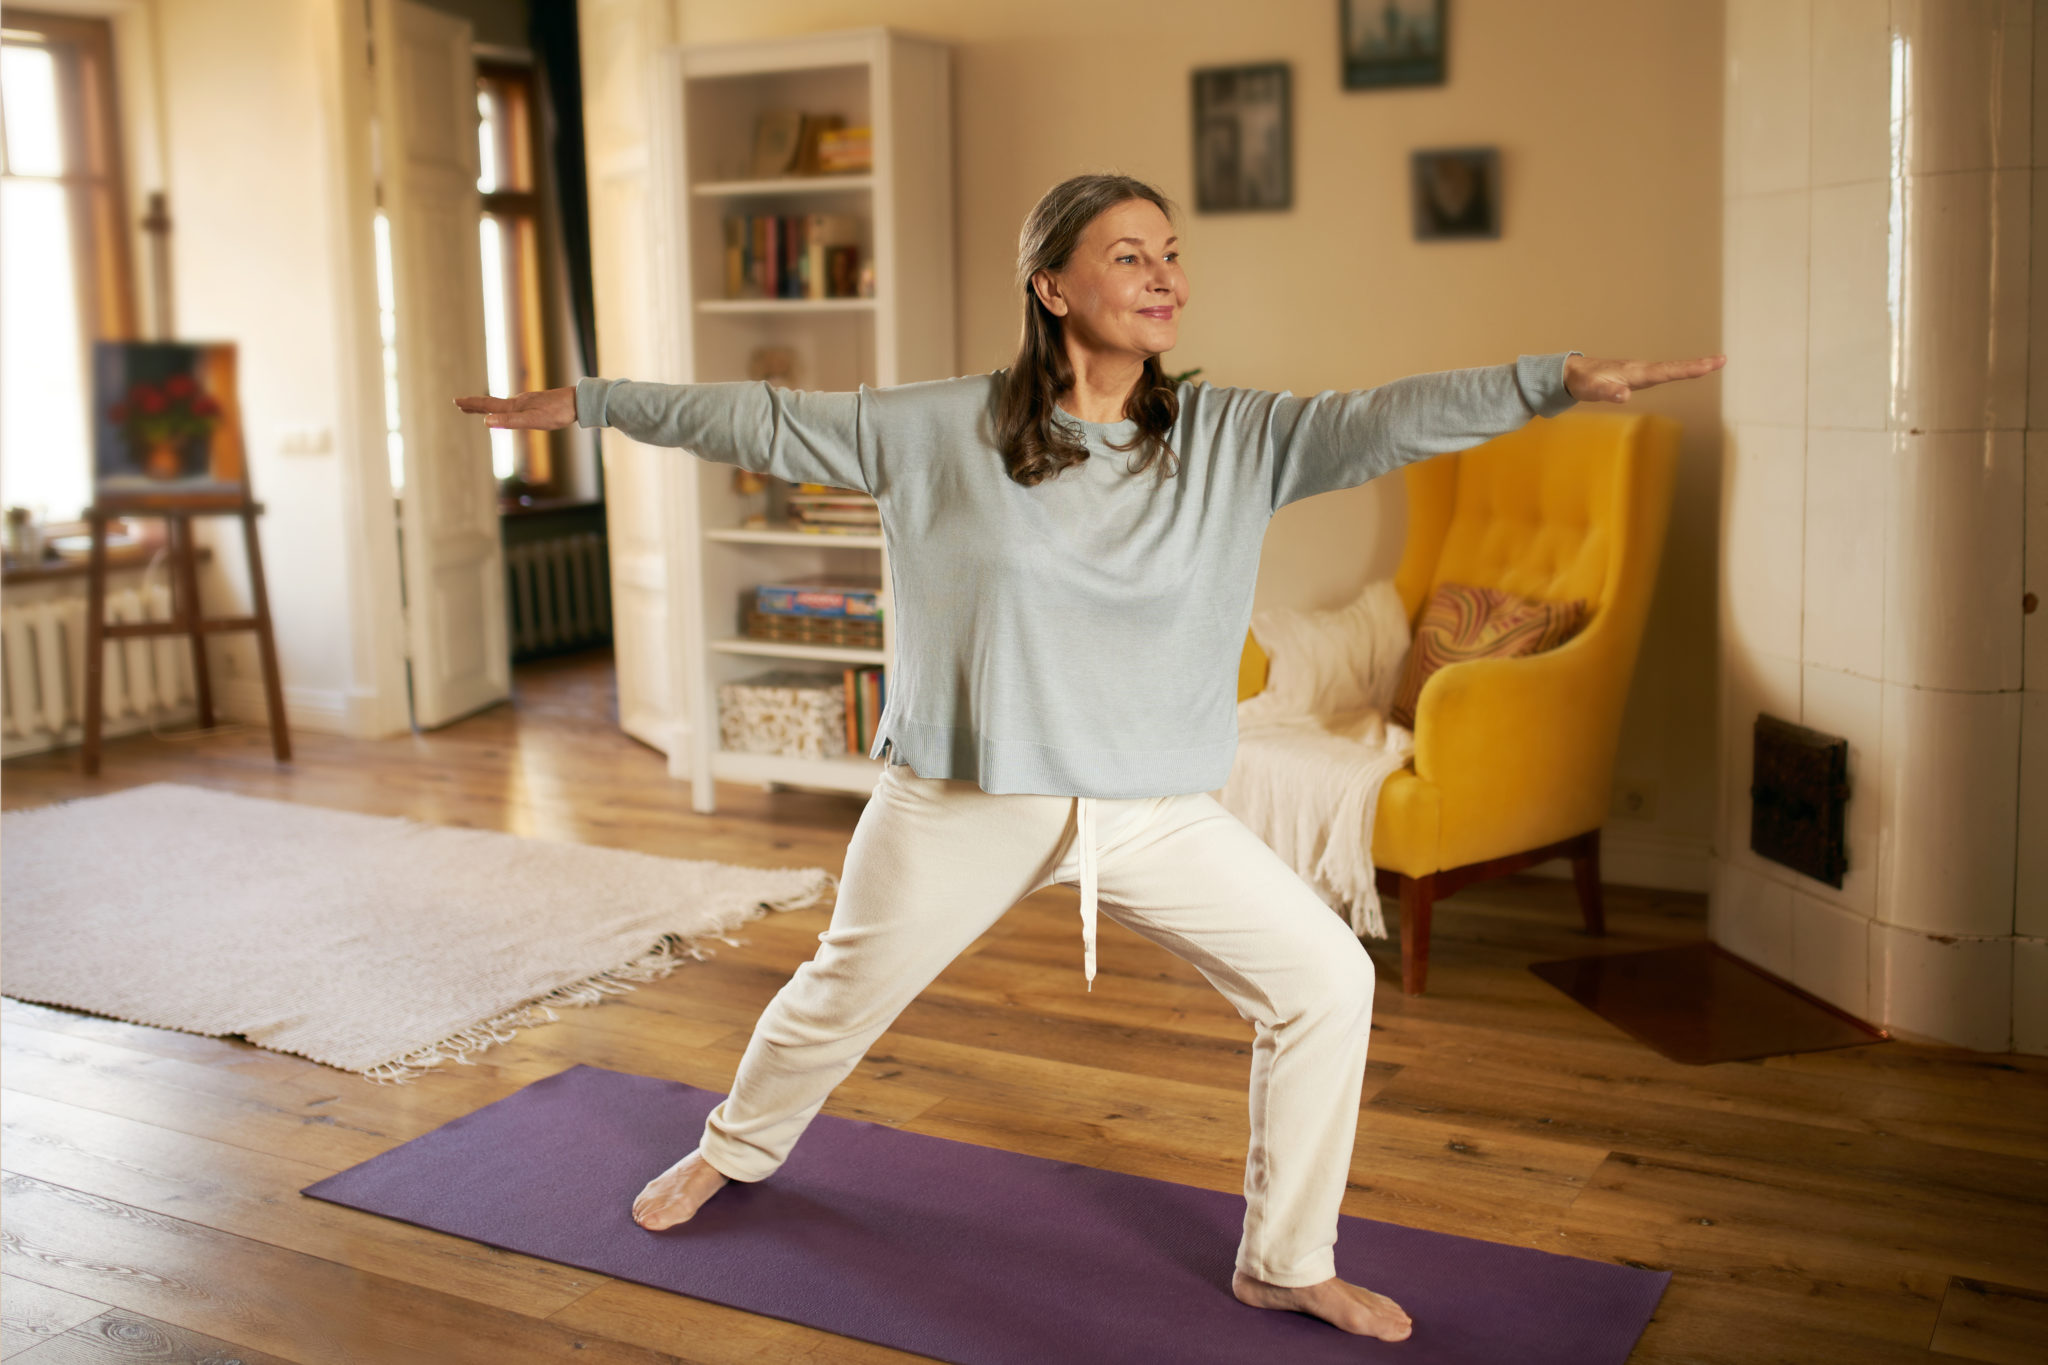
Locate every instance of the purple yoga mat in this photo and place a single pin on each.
(970, 1254)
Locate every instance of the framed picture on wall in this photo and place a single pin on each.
(1392, 42)
(1456, 193)
(1243, 138)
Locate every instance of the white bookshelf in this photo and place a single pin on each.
(898, 85)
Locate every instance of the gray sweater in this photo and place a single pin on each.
(1080, 637)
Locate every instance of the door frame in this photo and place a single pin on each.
(379, 703)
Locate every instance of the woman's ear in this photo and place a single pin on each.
(1048, 290)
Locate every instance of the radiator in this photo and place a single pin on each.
(42, 662)
(558, 593)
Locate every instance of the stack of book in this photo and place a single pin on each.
(866, 688)
(792, 256)
(821, 511)
(844, 150)
(824, 610)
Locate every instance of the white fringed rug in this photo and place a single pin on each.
(381, 946)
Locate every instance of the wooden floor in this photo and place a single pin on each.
(1881, 1203)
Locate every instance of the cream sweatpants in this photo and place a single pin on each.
(934, 862)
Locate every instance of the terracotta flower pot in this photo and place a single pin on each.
(163, 461)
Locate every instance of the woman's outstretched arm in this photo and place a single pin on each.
(793, 434)
(1331, 440)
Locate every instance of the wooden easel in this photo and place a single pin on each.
(177, 510)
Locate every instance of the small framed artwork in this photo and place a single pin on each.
(1243, 138)
(166, 425)
(1457, 193)
(1392, 42)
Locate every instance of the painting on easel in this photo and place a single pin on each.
(166, 424)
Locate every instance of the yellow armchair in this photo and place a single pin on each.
(1514, 758)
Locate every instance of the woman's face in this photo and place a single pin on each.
(1122, 290)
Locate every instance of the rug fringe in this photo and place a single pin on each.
(657, 962)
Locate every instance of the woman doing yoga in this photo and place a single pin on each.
(1073, 543)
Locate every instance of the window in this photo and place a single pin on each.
(64, 275)
(509, 236)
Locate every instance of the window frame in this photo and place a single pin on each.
(94, 175)
(516, 205)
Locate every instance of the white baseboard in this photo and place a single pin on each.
(323, 710)
(1647, 858)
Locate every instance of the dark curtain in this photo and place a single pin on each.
(551, 30)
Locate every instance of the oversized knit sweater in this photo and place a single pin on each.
(1079, 637)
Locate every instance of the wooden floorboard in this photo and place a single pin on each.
(1872, 1204)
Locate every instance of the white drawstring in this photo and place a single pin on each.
(1084, 820)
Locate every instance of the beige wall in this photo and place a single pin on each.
(1608, 117)
(258, 259)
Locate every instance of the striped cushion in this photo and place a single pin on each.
(1464, 622)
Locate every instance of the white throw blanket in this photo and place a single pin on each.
(1315, 747)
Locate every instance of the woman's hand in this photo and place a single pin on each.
(547, 410)
(1612, 381)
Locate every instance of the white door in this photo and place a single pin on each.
(427, 167)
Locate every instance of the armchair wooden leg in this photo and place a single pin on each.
(1417, 894)
(1586, 872)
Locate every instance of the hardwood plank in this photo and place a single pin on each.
(333, 1120)
(1695, 1202)
(661, 1321)
(1728, 1302)
(2011, 1123)
(2000, 1323)
(1622, 1121)
(299, 1307)
(280, 1120)
(1937, 1070)
(227, 1054)
(254, 1195)
(32, 1314)
(1728, 1319)
(131, 1338)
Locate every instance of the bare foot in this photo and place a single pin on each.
(677, 1193)
(1342, 1304)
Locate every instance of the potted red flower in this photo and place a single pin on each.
(160, 419)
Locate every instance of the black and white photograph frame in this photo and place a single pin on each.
(1392, 42)
(1456, 193)
(1243, 138)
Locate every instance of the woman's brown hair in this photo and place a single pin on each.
(1036, 444)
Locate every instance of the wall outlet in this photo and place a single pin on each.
(1634, 799)
(305, 440)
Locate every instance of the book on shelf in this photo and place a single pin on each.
(778, 134)
(819, 510)
(791, 142)
(810, 138)
(833, 511)
(866, 688)
(792, 256)
(845, 150)
(842, 523)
